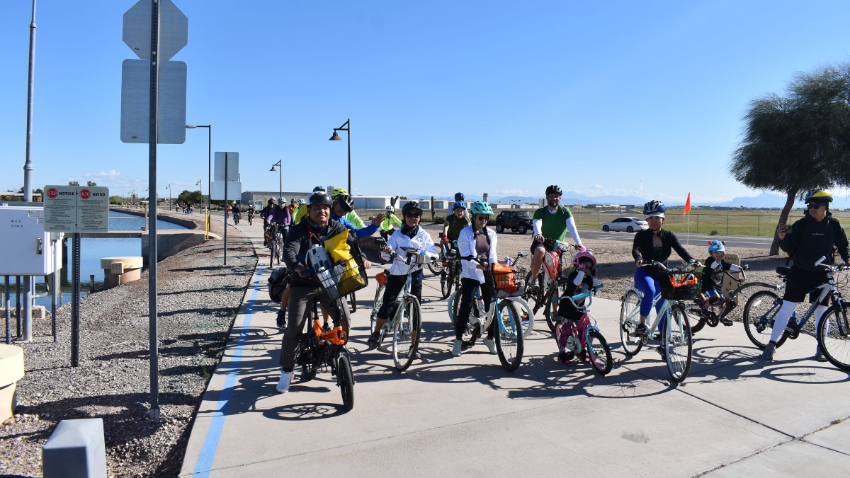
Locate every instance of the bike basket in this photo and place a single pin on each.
(680, 286)
(506, 283)
(381, 277)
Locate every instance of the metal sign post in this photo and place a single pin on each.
(225, 209)
(152, 241)
(8, 312)
(75, 302)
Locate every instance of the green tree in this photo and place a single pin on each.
(190, 197)
(91, 184)
(73, 183)
(800, 141)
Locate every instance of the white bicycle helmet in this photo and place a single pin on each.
(301, 202)
(389, 209)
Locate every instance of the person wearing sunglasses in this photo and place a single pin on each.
(814, 236)
(410, 236)
(475, 241)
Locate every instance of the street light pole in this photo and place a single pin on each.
(280, 184)
(347, 128)
(209, 159)
(169, 196)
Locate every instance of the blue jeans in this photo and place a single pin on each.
(649, 287)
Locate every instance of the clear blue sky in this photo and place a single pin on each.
(506, 97)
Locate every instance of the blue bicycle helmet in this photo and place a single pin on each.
(654, 208)
(459, 197)
(716, 246)
(481, 207)
(458, 205)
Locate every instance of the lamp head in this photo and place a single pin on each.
(190, 126)
(273, 169)
(335, 137)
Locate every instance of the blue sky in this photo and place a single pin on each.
(505, 97)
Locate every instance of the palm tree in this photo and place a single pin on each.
(798, 142)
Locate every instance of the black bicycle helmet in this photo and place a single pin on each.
(553, 189)
(319, 198)
(459, 197)
(411, 206)
(346, 202)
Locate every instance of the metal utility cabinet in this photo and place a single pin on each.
(25, 249)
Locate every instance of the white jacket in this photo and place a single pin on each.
(422, 240)
(466, 247)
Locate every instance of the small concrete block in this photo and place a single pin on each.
(76, 448)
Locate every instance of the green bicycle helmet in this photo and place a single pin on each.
(281, 200)
(481, 207)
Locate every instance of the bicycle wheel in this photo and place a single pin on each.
(272, 254)
(509, 341)
(406, 333)
(629, 320)
(599, 352)
(678, 344)
(306, 352)
(446, 283)
(552, 319)
(534, 299)
(699, 320)
(834, 335)
(345, 380)
(759, 314)
(435, 266)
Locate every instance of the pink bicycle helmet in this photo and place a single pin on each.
(587, 254)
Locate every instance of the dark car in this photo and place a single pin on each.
(516, 221)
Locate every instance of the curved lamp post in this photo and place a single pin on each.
(209, 158)
(347, 128)
(280, 183)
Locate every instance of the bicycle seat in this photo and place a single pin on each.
(783, 270)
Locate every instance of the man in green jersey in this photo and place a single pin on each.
(550, 222)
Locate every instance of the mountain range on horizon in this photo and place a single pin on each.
(763, 200)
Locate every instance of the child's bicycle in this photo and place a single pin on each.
(406, 324)
(833, 332)
(509, 330)
(676, 341)
(558, 253)
(717, 309)
(580, 339)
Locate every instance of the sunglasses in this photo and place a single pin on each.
(486, 218)
(815, 205)
(413, 216)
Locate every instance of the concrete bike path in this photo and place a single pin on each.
(468, 416)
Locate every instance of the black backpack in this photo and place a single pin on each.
(278, 280)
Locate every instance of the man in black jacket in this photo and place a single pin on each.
(304, 289)
(813, 237)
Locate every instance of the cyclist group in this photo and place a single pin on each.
(808, 241)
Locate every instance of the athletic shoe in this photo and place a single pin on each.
(491, 346)
(456, 349)
(641, 330)
(768, 351)
(417, 356)
(819, 356)
(727, 322)
(374, 341)
(285, 380)
(281, 319)
(533, 285)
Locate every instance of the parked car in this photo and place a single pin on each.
(516, 221)
(628, 224)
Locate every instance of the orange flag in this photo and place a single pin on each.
(687, 205)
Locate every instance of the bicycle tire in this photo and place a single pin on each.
(271, 254)
(406, 332)
(700, 321)
(629, 319)
(435, 266)
(534, 299)
(833, 335)
(760, 312)
(509, 341)
(345, 380)
(446, 283)
(454, 306)
(599, 352)
(352, 299)
(307, 359)
(678, 344)
(552, 320)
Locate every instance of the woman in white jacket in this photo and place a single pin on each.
(475, 240)
(411, 235)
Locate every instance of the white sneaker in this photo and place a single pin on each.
(285, 380)
(491, 346)
(456, 348)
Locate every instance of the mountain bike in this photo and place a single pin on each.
(833, 331)
(406, 324)
(676, 341)
(509, 331)
(551, 271)
(450, 274)
(582, 337)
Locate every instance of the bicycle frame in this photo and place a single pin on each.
(828, 288)
(666, 310)
(399, 300)
(488, 316)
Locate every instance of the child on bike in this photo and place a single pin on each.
(712, 278)
(581, 279)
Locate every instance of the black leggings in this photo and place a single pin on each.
(467, 289)
(394, 285)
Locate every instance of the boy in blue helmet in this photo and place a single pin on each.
(712, 276)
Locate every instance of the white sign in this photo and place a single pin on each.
(76, 209)
(234, 191)
(232, 167)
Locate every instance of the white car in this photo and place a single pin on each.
(628, 224)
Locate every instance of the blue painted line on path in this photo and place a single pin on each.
(205, 460)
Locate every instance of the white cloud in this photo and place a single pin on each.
(509, 192)
(111, 174)
(597, 186)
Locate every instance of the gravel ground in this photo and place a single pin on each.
(198, 300)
